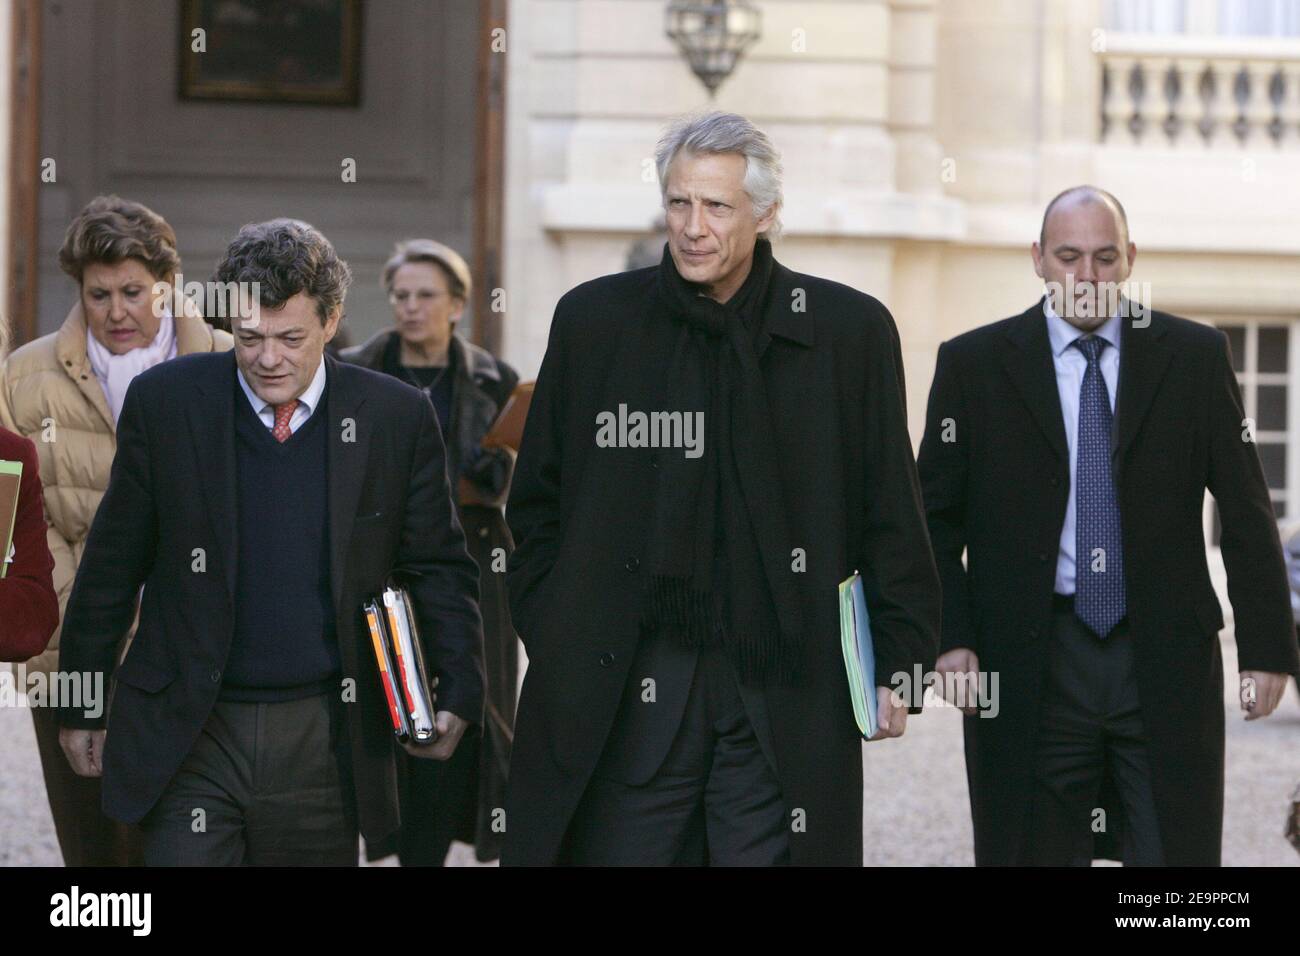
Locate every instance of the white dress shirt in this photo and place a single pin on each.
(307, 401)
(1070, 365)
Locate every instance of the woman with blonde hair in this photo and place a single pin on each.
(64, 391)
(429, 286)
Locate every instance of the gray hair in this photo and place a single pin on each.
(285, 257)
(719, 132)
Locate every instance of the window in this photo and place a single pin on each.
(1229, 18)
(1259, 18)
(1147, 16)
(1265, 360)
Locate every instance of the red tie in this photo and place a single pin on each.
(283, 413)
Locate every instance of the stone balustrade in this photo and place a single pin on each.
(1197, 92)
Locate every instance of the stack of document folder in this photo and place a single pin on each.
(859, 653)
(11, 479)
(396, 642)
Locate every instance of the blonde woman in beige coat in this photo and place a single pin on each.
(64, 392)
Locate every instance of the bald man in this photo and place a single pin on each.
(1067, 452)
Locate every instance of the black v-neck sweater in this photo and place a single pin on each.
(284, 645)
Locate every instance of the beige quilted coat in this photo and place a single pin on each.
(49, 393)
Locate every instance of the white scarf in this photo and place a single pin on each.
(115, 372)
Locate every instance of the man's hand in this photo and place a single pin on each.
(84, 750)
(891, 714)
(1261, 692)
(450, 729)
(965, 665)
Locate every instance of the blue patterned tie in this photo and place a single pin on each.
(1099, 599)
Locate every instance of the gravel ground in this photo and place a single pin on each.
(916, 810)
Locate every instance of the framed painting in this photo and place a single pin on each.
(271, 51)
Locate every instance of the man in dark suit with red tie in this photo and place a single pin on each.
(1067, 452)
(260, 497)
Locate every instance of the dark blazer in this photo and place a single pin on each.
(999, 492)
(580, 517)
(168, 522)
(29, 607)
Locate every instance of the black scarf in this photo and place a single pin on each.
(719, 552)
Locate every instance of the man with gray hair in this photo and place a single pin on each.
(686, 699)
(260, 497)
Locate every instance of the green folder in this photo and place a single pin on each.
(11, 479)
(859, 653)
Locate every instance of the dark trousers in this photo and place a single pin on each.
(1091, 723)
(266, 784)
(86, 836)
(438, 802)
(715, 800)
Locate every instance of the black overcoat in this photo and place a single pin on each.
(999, 490)
(833, 371)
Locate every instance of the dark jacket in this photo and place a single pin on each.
(471, 786)
(28, 605)
(481, 384)
(999, 492)
(172, 497)
(834, 379)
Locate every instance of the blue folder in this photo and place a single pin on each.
(859, 653)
